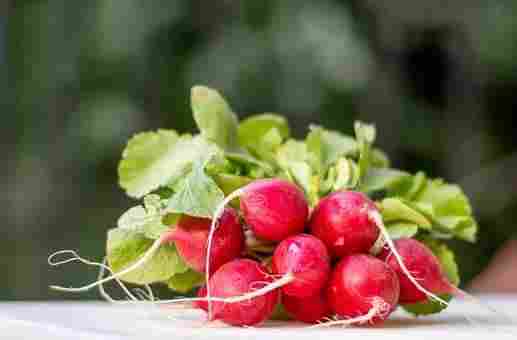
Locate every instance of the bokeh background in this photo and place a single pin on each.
(78, 78)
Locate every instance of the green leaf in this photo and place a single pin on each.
(463, 227)
(214, 117)
(302, 175)
(146, 218)
(229, 183)
(196, 195)
(394, 209)
(427, 307)
(347, 174)
(447, 199)
(154, 159)
(262, 134)
(365, 136)
(450, 269)
(326, 147)
(250, 166)
(402, 229)
(293, 158)
(292, 151)
(125, 247)
(378, 179)
(448, 208)
(185, 282)
(418, 183)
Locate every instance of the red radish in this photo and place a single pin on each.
(235, 279)
(191, 234)
(423, 265)
(306, 259)
(274, 209)
(342, 221)
(310, 309)
(362, 289)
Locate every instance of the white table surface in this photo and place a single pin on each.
(98, 320)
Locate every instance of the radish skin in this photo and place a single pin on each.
(274, 209)
(341, 221)
(422, 263)
(240, 278)
(309, 310)
(363, 288)
(305, 258)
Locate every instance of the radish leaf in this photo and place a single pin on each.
(262, 134)
(185, 282)
(196, 195)
(124, 247)
(146, 218)
(214, 117)
(154, 159)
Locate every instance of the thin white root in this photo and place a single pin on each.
(377, 218)
(146, 257)
(239, 298)
(102, 292)
(74, 257)
(213, 226)
(379, 307)
(287, 278)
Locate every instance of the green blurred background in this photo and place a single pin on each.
(80, 77)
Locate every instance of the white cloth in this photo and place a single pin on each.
(97, 320)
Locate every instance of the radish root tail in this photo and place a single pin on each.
(379, 308)
(377, 218)
(146, 257)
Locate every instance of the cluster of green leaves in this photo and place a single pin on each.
(178, 174)
(415, 204)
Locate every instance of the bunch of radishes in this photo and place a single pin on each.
(324, 265)
(258, 222)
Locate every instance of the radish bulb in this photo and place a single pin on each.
(239, 278)
(342, 222)
(274, 209)
(306, 259)
(422, 263)
(362, 289)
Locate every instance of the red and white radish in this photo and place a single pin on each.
(422, 263)
(304, 258)
(362, 289)
(309, 309)
(240, 278)
(191, 234)
(274, 209)
(341, 220)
